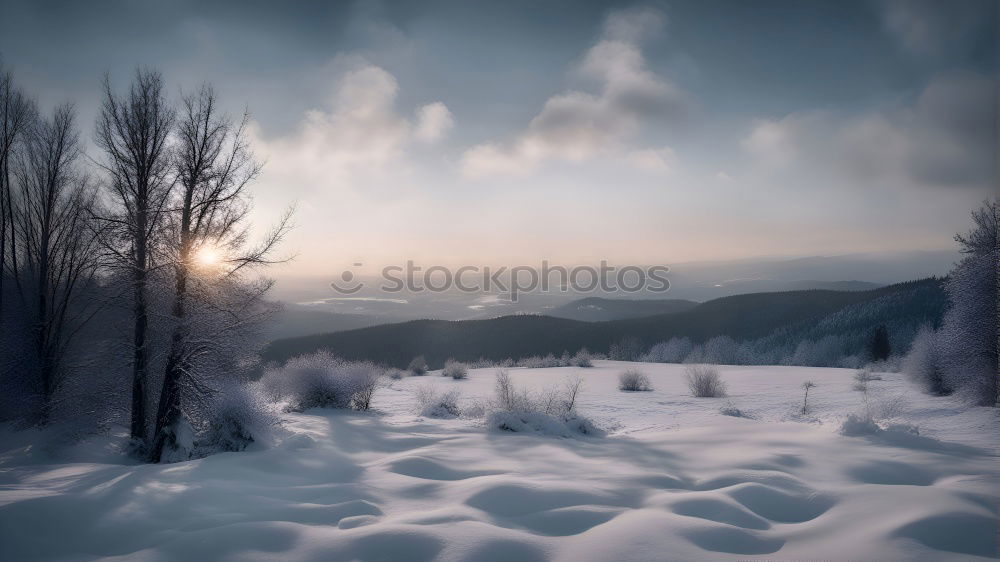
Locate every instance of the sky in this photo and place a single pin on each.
(505, 133)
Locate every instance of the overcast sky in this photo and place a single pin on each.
(510, 132)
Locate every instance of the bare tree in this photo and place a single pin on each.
(56, 243)
(206, 244)
(16, 114)
(133, 130)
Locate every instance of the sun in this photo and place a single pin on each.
(208, 256)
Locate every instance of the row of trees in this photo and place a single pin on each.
(834, 350)
(138, 256)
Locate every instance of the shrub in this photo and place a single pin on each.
(730, 409)
(861, 379)
(320, 380)
(395, 374)
(582, 359)
(923, 363)
(564, 425)
(433, 404)
(856, 425)
(704, 381)
(806, 386)
(550, 412)
(240, 415)
(865, 375)
(455, 369)
(418, 366)
(550, 360)
(634, 380)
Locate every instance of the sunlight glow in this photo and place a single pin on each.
(208, 256)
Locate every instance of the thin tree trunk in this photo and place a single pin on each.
(139, 350)
(169, 411)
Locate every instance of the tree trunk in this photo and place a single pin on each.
(169, 411)
(139, 350)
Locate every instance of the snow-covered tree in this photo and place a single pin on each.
(722, 350)
(206, 245)
(672, 351)
(628, 348)
(969, 333)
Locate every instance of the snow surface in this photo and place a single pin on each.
(673, 480)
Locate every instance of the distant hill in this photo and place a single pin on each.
(782, 319)
(597, 309)
(294, 321)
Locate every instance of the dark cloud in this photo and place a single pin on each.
(936, 27)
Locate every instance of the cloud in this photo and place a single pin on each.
(653, 159)
(927, 27)
(632, 25)
(946, 137)
(577, 125)
(777, 143)
(359, 134)
(433, 122)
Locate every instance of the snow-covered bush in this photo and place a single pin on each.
(923, 363)
(886, 407)
(180, 442)
(395, 374)
(877, 413)
(704, 381)
(634, 380)
(241, 415)
(581, 359)
(320, 380)
(730, 409)
(418, 366)
(550, 360)
(365, 379)
(866, 375)
(481, 363)
(674, 350)
(857, 425)
(434, 404)
(563, 425)
(455, 369)
(861, 379)
(549, 412)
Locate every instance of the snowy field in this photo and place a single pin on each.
(674, 479)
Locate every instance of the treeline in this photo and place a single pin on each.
(818, 328)
(127, 285)
(845, 338)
